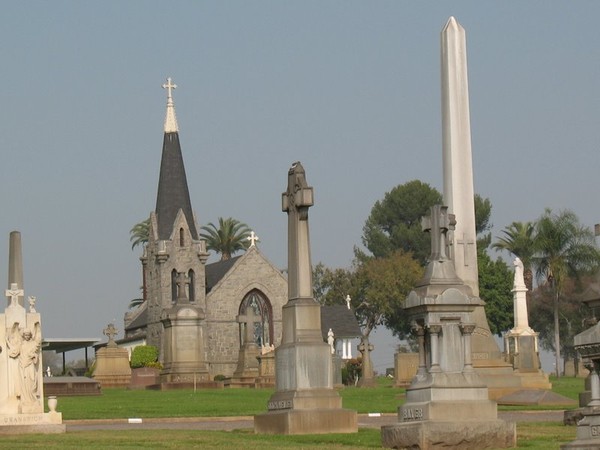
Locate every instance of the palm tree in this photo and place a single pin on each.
(229, 237)
(519, 239)
(563, 248)
(140, 233)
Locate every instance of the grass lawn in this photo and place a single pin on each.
(120, 403)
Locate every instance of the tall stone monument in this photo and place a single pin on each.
(21, 386)
(15, 263)
(521, 342)
(184, 353)
(459, 197)
(447, 403)
(304, 401)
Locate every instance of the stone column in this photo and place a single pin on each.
(421, 340)
(467, 331)
(15, 263)
(434, 331)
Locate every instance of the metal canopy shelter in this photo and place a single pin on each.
(63, 345)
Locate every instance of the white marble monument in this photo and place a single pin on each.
(21, 371)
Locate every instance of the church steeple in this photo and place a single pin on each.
(173, 193)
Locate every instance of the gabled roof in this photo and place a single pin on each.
(140, 321)
(341, 320)
(216, 271)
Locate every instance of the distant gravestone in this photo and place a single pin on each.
(112, 362)
(304, 401)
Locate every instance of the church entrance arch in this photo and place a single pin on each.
(261, 306)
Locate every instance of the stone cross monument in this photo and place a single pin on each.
(21, 372)
(304, 401)
(447, 402)
(246, 371)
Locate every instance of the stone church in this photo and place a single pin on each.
(195, 312)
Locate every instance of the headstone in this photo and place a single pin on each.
(21, 371)
(447, 402)
(405, 368)
(305, 401)
(112, 362)
(246, 372)
(365, 348)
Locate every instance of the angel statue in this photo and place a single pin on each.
(24, 346)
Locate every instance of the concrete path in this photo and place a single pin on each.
(235, 423)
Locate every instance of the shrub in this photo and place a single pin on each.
(144, 356)
(219, 377)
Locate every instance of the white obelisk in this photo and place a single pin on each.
(457, 159)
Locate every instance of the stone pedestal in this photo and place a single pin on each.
(112, 367)
(184, 358)
(305, 401)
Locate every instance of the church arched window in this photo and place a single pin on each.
(181, 237)
(263, 327)
(191, 290)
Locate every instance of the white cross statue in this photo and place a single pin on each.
(14, 293)
(253, 238)
(169, 86)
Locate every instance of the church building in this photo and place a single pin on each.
(196, 313)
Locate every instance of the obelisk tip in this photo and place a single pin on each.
(452, 24)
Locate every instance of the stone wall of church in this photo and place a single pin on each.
(222, 335)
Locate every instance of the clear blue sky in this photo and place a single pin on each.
(351, 89)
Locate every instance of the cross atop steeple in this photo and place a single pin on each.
(253, 238)
(170, 119)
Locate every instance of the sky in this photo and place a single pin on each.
(351, 89)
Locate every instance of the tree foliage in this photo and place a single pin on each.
(572, 314)
(495, 288)
(377, 288)
(140, 233)
(382, 286)
(518, 239)
(395, 222)
(564, 248)
(229, 237)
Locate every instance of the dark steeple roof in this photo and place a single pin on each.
(173, 193)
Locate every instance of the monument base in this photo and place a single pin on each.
(44, 423)
(306, 421)
(588, 431)
(465, 435)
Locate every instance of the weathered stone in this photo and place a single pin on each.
(450, 435)
(405, 368)
(304, 401)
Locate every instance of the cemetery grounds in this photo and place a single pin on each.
(180, 405)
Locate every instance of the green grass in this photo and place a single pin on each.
(121, 403)
(531, 436)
